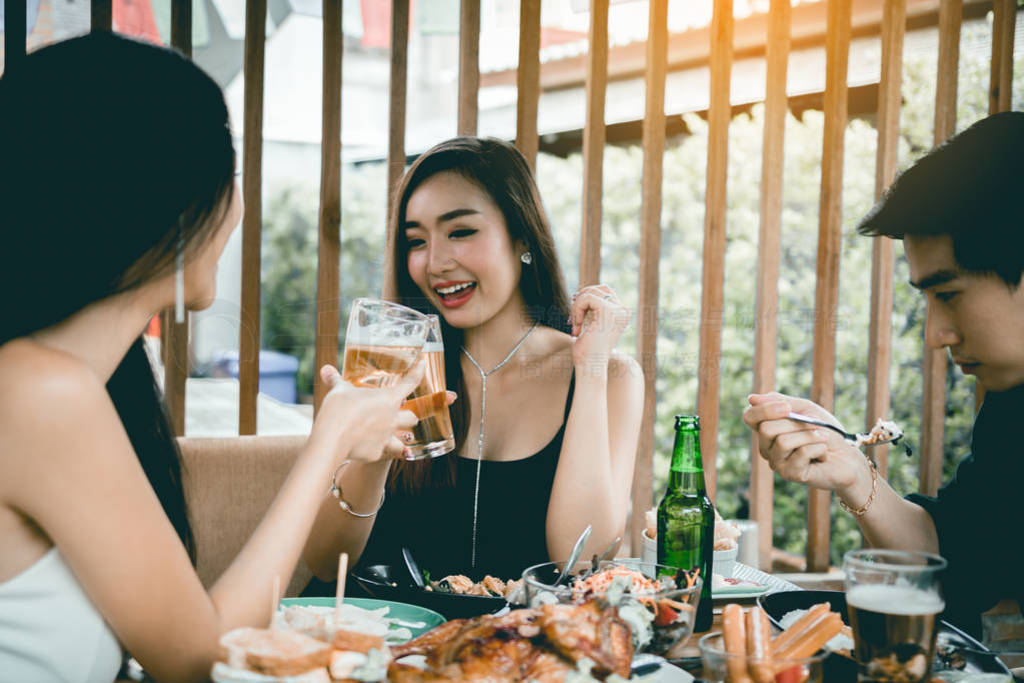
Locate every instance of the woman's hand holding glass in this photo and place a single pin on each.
(597, 318)
(804, 453)
(365, 419)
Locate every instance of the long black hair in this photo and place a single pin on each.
(501, 171)
(116, 153)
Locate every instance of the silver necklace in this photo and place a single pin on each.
(483, 412)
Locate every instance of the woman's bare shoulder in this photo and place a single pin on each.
(46, 394)
(31, 372)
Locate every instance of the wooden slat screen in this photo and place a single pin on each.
(650, 256)
(933, 409)
(778, 44)
(713, 277)
(882, 260)
(328, 275)
(762, 480)
(830, 228)
(174, 335)
(101, 15)
(469, 66)
(1004, 20)
(252, 184)
(528, 80)
(396, 123)
(14, 34)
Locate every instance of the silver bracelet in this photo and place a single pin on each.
(335, 491)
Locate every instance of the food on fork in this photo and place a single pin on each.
(884, 430)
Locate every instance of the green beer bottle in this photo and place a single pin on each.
(686, 518)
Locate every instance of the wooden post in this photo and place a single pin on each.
(252, 183)
(174, 335)
(528, 80)
(396, 124)
(1004, 20)
(880, 334)
(329, 219)
(469, 65)
(933, 410)
(762, 480)
(593, 144)
(713, 278)
(826, 298)
(650, 257)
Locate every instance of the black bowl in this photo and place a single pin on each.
(386, 582)
(777, 605)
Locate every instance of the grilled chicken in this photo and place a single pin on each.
(541, 644)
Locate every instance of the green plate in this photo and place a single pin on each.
(396, 610)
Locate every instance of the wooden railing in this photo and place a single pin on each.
(887, 18)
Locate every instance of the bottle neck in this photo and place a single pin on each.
(687, 471)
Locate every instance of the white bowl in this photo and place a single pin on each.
(650, 548)
(724, 562)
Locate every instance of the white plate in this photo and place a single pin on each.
(771, 584)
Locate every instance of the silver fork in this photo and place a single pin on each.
(855, 438)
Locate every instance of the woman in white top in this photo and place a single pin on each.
(117, 174)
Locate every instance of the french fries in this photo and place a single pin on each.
(755, 657)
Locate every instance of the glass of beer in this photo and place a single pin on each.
(432, 436)
(893, 600)
(382, 343)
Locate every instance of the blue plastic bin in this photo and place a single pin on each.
(277, 372)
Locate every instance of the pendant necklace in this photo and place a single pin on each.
(483, 411)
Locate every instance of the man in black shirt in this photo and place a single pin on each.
(960, 213)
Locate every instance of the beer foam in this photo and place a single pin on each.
(433, 347)
(889, 599)
(380, 336)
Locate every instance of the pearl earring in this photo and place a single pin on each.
(526, 258)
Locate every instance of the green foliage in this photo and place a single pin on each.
(289, 277)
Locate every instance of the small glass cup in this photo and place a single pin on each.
(718, 663)
(893, 600)
(432, 436)
(382, 343)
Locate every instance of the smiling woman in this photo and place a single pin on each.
(548, 415)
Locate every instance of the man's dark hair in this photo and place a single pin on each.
(971, 188)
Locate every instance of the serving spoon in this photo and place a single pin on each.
(574, 556)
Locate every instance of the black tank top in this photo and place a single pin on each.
(436, 524)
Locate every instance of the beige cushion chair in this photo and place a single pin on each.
(229, 484)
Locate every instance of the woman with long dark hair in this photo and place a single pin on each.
(117, 197)
(548, 415)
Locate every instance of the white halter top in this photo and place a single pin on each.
(51, 631)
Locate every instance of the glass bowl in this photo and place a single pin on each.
(658, 602)
(717, 663)
(539, 580)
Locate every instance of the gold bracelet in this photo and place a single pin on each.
(335, 491)
(861, 511)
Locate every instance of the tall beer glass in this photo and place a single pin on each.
(893, 601)
(432, 436)
(382, 343)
